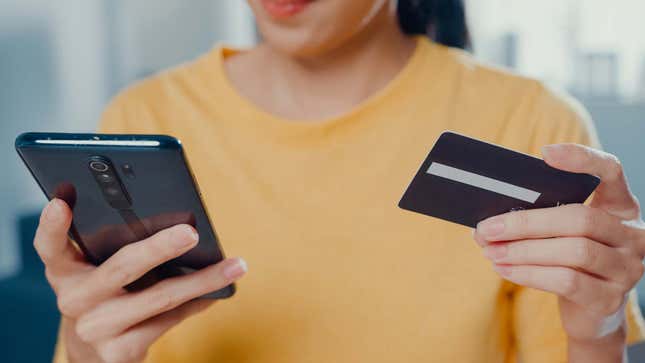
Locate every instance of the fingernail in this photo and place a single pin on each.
(193, 233)
(480, 241)
(495, 253)
(502, 270)
(235, 270)
(52, 210)
(491, 227)
(183, 242)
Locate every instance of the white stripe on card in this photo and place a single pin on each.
(483, 182)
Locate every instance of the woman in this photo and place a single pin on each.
(303, 146)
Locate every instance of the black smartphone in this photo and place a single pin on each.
(122, 189)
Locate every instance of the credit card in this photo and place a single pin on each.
(465, 180)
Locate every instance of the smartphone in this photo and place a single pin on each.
(123, 189)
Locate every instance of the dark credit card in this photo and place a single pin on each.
(465, 181)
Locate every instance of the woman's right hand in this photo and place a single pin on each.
(101, 322)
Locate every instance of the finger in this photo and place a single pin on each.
(51, 241)
(602, 297)
(574, 252)
(131, 346)
(481, 241)
(126, 265)
(574, 220)
(613, 193)
(114, 236)
(119, 314)
(159, 222)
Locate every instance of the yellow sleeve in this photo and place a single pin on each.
(537, 329)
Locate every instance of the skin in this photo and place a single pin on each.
(319, 64)
(340, 52)
(101, 321)
(590, 256)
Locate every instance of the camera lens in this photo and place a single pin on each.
(99, 166)
(105, 178)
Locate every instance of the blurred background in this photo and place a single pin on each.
(61, 62)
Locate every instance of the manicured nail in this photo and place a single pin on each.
(495, 253)
(193, 233)
(503, 270)
(181, 243)
(491, 227)
(235, 269)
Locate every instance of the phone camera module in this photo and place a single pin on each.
(99, 166)
(105, 178)
(105, 174)
(112, 191)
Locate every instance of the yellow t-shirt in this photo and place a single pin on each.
(337, 272)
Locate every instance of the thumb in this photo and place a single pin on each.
(613, 194)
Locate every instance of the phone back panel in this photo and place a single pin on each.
(159, 185)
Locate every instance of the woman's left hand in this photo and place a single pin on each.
(590, 256)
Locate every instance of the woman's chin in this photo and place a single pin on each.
(297, 42)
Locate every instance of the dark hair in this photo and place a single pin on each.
(444, 21)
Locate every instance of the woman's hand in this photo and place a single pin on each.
(101, 321)
(590, 256)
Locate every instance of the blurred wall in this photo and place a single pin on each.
(622, 132)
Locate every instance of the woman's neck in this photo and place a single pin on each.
(311, 88)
